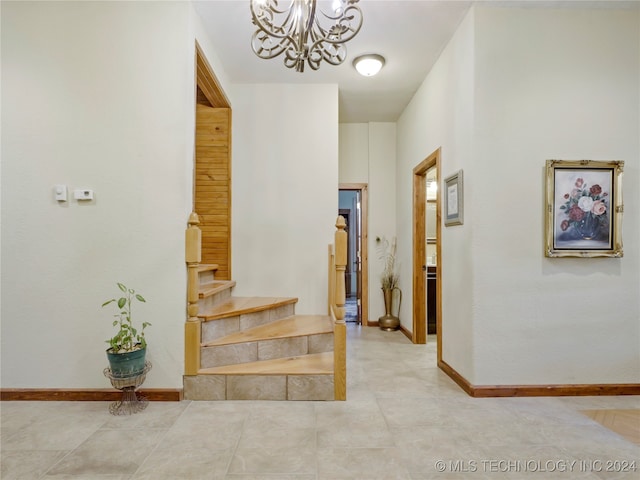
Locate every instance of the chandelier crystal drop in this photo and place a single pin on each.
(303, 32)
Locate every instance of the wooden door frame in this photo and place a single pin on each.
(207, 83)
(419, 334)
(363, 188)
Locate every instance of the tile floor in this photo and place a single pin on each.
(404, 420)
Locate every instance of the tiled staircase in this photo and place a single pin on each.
(256, 348)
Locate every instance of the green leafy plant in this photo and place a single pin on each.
(387, 251)
(127, 338)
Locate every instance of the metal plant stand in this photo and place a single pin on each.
(131, 401)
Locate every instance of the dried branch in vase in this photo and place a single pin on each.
(387, 252)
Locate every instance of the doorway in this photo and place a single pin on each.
(352, 205)
(427, 258)
(432, 236)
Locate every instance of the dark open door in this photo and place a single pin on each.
(348, 273)
(353, 206)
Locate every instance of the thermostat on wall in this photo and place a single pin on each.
(83, 194)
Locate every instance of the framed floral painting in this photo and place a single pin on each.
(584, 208)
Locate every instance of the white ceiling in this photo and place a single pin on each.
(410, 34)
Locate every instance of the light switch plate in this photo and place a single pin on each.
(60, 192)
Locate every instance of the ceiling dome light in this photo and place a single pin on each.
(368, 65)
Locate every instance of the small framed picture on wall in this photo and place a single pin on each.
(453, 199)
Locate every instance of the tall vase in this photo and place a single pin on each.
(389, 321)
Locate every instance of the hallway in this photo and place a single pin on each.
(402, 418)
(351, 310)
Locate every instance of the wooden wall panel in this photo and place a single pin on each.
(213, 186)
(202, 98)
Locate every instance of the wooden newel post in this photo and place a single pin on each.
(192, 255)
(340, 328)
(193, 241)
(341, 264)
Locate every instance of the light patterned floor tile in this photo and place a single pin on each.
(110, 452)
(274, 459)
(191, 462)
(401, 418)
(27, 464)
(361, 463)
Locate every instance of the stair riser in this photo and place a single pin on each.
(215, 329)
(206, 277)
(213, 300)
(221, 355)
(204, 387)
(310, 387)
(259, 387)
(250, 320)
(219, 328)
(321, 343)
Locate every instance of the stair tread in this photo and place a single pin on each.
(239, 305)
(311, 364)
(206, 267)
(208, 289)
(293, 326)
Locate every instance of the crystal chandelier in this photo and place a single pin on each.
(303, 32)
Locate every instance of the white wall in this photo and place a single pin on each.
(561, 95)
(285, 190)
(367, 155)
(97, 95)
(382, 209)
(441, 115)
(354, 153)
(500, 101)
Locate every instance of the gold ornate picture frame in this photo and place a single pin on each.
(584, 208)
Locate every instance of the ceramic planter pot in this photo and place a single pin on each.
(128, 364)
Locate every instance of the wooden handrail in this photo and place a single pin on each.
(193, 257)
(337, 297)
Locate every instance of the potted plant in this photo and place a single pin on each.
(389, 283)
(128, 347)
